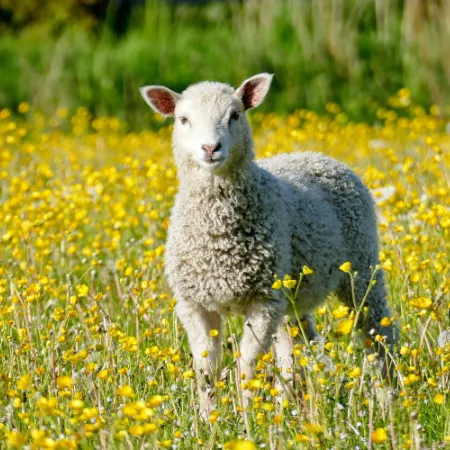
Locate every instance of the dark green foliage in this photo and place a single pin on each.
(354, 53)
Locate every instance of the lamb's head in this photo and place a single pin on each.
(211, 128)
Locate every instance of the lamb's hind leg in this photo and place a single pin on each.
(262, 320)
(284, 357)
(198, 322)
(309, 327)
(377, 310)
(284, 351)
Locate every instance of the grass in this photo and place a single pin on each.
(91, 352)
(354, 53)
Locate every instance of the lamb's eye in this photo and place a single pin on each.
(234, 116)
(184, 120)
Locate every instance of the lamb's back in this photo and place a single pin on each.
(318, 239)
(350, 198)
(309, 167)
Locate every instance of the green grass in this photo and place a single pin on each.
(354, 53)
(90, 345)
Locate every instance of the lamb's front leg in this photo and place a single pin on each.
(284, 358)
(198, 322)
(262, 320)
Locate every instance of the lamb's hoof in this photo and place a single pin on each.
(206, 402)
(247, 398)
(444, 339)
(203, 414)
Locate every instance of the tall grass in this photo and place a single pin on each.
(92, 355)
(355, 53)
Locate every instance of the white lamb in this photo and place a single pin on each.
(236, 222)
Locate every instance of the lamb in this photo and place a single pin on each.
(236, 222)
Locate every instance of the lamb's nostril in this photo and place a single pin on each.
(210, 149)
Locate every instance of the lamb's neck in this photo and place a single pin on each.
(236, 187)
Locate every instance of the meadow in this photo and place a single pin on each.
(356, 53)
(91, 352)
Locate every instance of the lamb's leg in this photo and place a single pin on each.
(284, 354)
(377, 310)
(310, 328)
(283, 344)
(262, 320)
(198, 322)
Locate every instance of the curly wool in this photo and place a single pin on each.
(228, 239)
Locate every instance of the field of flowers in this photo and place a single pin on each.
(91, 353)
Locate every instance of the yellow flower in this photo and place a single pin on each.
(136, 430)
(254, 385)
(189, 374)
(214, 333)
(277, 419)
(301, 438)
(214, 417)
(313, 428)
(340, 312)
(290, 284)
(294, 331)
(103, 374)
(150, 427)
(17, 439)
(277, 284)
(47, 406)
(379, 435)
(307, 270)
(387, 265)
(404, 350)
(82, 290)
(345, 327)
(421, 302)
(155, 401)
(75, 357)
(385, 322)
(126, 391)
(64, 382)
(24, 382)
(411, 379)
(23, 107)
(7, 237)
(439, 399)
(346, 267)
(137, 410)
(76, 404)
(244, 445)
(355, 373)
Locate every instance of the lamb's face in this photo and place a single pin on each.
(211, 128)
(210, 125)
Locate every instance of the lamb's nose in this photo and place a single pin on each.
(210, 149)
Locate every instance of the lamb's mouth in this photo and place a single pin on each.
(213, 162)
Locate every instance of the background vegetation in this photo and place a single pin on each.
(354, 53)
(92, 354)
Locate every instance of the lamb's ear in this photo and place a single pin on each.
(160, 99)
(253, 91)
